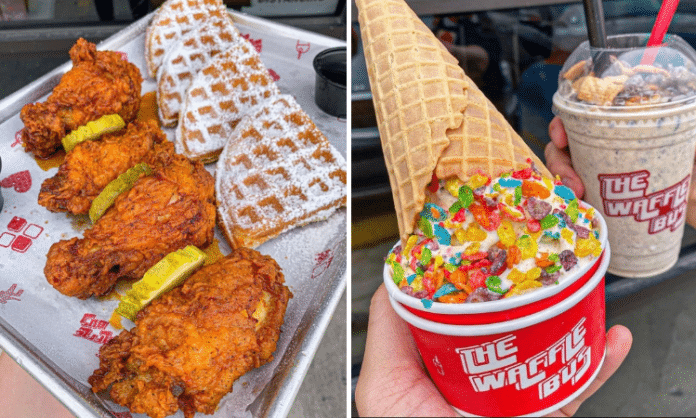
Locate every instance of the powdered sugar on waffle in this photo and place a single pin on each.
(191, 53)
(219, 97)
(277, 172)
(173, 19)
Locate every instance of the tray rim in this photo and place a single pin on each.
(86, 404)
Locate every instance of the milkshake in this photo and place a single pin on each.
(631, 126)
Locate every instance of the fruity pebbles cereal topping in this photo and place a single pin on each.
(489, 239)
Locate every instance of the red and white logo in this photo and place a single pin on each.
(20, 235)
(10, 294)
(93, 329)
(494, 365)
(301, 48)
(18, 139)
(20, 181)
(623, 195)
(257, 43)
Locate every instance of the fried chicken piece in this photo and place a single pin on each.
(168, 210)
(91, 165)
(99, 83)
(189, 346)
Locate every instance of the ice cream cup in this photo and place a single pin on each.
(525, 355)
(635, 161)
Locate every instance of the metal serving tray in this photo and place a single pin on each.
(44, 358)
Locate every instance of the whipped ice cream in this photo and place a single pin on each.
(492, 238)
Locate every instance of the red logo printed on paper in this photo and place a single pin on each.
(10, 294)
(18, 139)
(624, 195)
(21, 181)
(16, 242)
(301, 48)
(93, 329)
(274, 75)
(323, 261)
(257, 43)
(494, 365)
(122, 414)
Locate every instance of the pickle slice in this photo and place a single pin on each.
(93, 130)
(168, 273)
(119, 185)
(261, 311)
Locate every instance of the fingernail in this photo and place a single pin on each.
(552, 130)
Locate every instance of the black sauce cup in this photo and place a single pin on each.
(330, 85)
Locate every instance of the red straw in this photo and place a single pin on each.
(664, 18)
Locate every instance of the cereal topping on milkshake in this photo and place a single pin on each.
(624, 83)
(488, 239)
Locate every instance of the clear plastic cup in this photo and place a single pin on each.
(631, 129)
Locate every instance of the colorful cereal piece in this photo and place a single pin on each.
(478, 180)
(410, 243)
(516, 276)
(452, 185)
(493, 284)
(528, 247)
(585, 247)
(476, 279)
(427, 303)
(441, 234)
(454, 297)
(533, 273)
(532, 188)
(460, 216)
(523, 288)
(553, 268)
(474, 233)
(513, 213)
(444, 290)
(513, 256)
(433, 212)
(458, 278)
(397, 272)
(564, 192)
(426, 255)
(466, 196)
(509, 182)
(549, 221)
(523, 174)
(572, 210)
(472, 249)
(456, 207)
(518, 195)
(489, 220)
(426, 227)
(533, 225)
(434, 184)
(506, 233)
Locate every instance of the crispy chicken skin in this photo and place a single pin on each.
(99, 83)
(89, 167)
(189, 346)
(168, 210)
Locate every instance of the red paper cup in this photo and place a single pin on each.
(526, 355)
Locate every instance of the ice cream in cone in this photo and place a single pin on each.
(432, 119)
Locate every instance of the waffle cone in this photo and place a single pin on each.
(432, 118)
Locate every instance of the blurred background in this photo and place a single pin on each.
(35, 36)
(514, 51)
